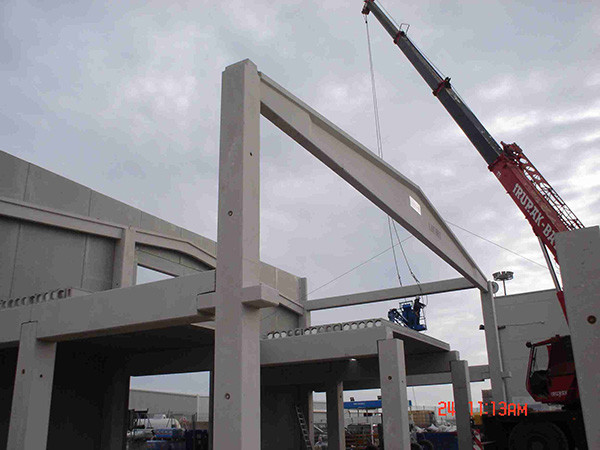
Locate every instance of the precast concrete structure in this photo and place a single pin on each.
(72, 317)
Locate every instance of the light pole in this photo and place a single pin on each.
(503, 276)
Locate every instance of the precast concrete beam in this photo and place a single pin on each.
(147, 306)
(383, 185)
(30, 410)
(392, 373)
(435, 287)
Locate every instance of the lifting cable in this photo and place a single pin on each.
(391, 223)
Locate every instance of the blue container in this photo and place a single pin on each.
(169, 433)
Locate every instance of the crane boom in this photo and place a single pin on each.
(546, 212)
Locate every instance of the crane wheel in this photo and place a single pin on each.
(533, 435)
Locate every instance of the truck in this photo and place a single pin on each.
(551, 376)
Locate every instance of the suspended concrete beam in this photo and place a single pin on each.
(435, 287)
(383, 185)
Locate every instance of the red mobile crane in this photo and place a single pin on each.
(547, 214)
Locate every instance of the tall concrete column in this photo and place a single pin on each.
(336, 434)
(211, 407)
(392, 375)
(492, 342)
(579, 257)
(237, 350)
(115, 410)
(30, 411)
(461, 387)
(124, 266)
(304, 320)
(306, 397)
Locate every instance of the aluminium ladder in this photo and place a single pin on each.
(303, 428)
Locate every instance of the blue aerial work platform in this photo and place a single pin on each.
(410, 314)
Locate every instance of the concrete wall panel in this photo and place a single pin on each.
(13, 176)
(287, 284)
(9, 232)
(111, 210)
(52, 190)
(531, 316)
(278, 318)
(153, 223)
(47, 258)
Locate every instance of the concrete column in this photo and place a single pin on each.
(30, 411)
(461, 387)
(579, 257)
(237, 350)
(308, 409)
(303, 295)
(124, 266)
(392, 375)
(211, 407)
(310, 417)
(492, 342)
(115, 409)
(336, 434)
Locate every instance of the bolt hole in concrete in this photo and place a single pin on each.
(591, 319)
(230, 213)
(227, 396)
(389, 377)
(23, 371)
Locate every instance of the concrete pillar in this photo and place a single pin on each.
(237, 349)
(303, 295)
(579, 257)
(392, 375)
(461, 387)
(124, 266)
(308, 409)
(492, 341)
(211, 406)
(115, 409)
(30, 411)
(336, 434)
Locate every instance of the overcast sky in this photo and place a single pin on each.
(124, 98)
